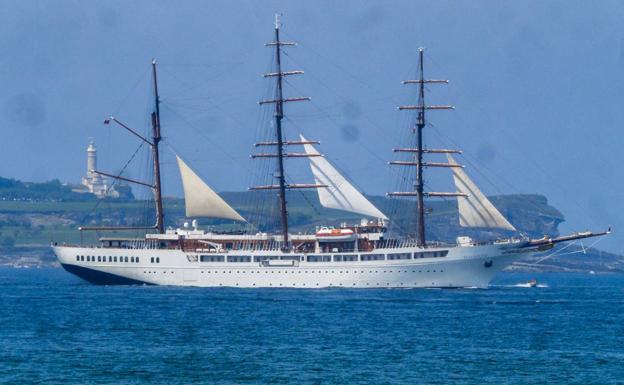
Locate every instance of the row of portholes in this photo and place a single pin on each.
(321, 272)
(89, 258)
(332, 285)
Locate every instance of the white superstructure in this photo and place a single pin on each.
(469, 265)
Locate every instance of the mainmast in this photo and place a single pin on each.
(160, 216)
(420, 124)
(279, 115)
(418, 152)
(280, 143)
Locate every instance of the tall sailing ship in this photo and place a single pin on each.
(364, 255)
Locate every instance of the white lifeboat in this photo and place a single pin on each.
(326, 234)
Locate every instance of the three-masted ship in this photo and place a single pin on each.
(364, 255)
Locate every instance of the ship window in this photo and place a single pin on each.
(115, 259)
(157, 259)
(399, 256)
(132, 259)
(136, 259)
(152, 259)
(260, 258)
(77, 257)
(290, 257)
(82, 257)
(88, 258)
(125, 259)
(319, 258)
(431, 254)
(110, 259)
(372, 257)
(210, 258)
(238, 258)
(345, 258)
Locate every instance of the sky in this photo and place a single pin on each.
(536, 85)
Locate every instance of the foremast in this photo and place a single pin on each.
(420, 149)
(156, 186)
(280, 143)
(156, 138)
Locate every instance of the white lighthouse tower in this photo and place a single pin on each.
(93, 181)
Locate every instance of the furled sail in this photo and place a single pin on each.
(339, 193)
(200, 200)
(475, 210)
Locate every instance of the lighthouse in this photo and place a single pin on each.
(93, 181)
(92, 163)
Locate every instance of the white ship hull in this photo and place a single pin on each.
(473, 266)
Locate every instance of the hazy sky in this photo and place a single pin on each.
(537, 87)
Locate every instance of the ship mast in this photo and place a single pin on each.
(420, 124)
(156, 186)
(279, 115)
(156, 138)
(418, 152)
(280, 143)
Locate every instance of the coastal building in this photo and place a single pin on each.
(98, 185)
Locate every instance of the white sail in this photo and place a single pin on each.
(200, 200)
(475, 210)
(339, 193)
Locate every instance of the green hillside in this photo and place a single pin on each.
(31, 222)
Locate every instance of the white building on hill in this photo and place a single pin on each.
(98, 185)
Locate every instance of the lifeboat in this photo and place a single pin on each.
(326, 234)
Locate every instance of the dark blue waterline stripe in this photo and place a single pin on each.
(100, 277)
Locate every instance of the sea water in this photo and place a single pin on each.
(57, 329)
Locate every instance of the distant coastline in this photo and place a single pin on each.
(34, 214)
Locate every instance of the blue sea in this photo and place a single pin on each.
(57, 329)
